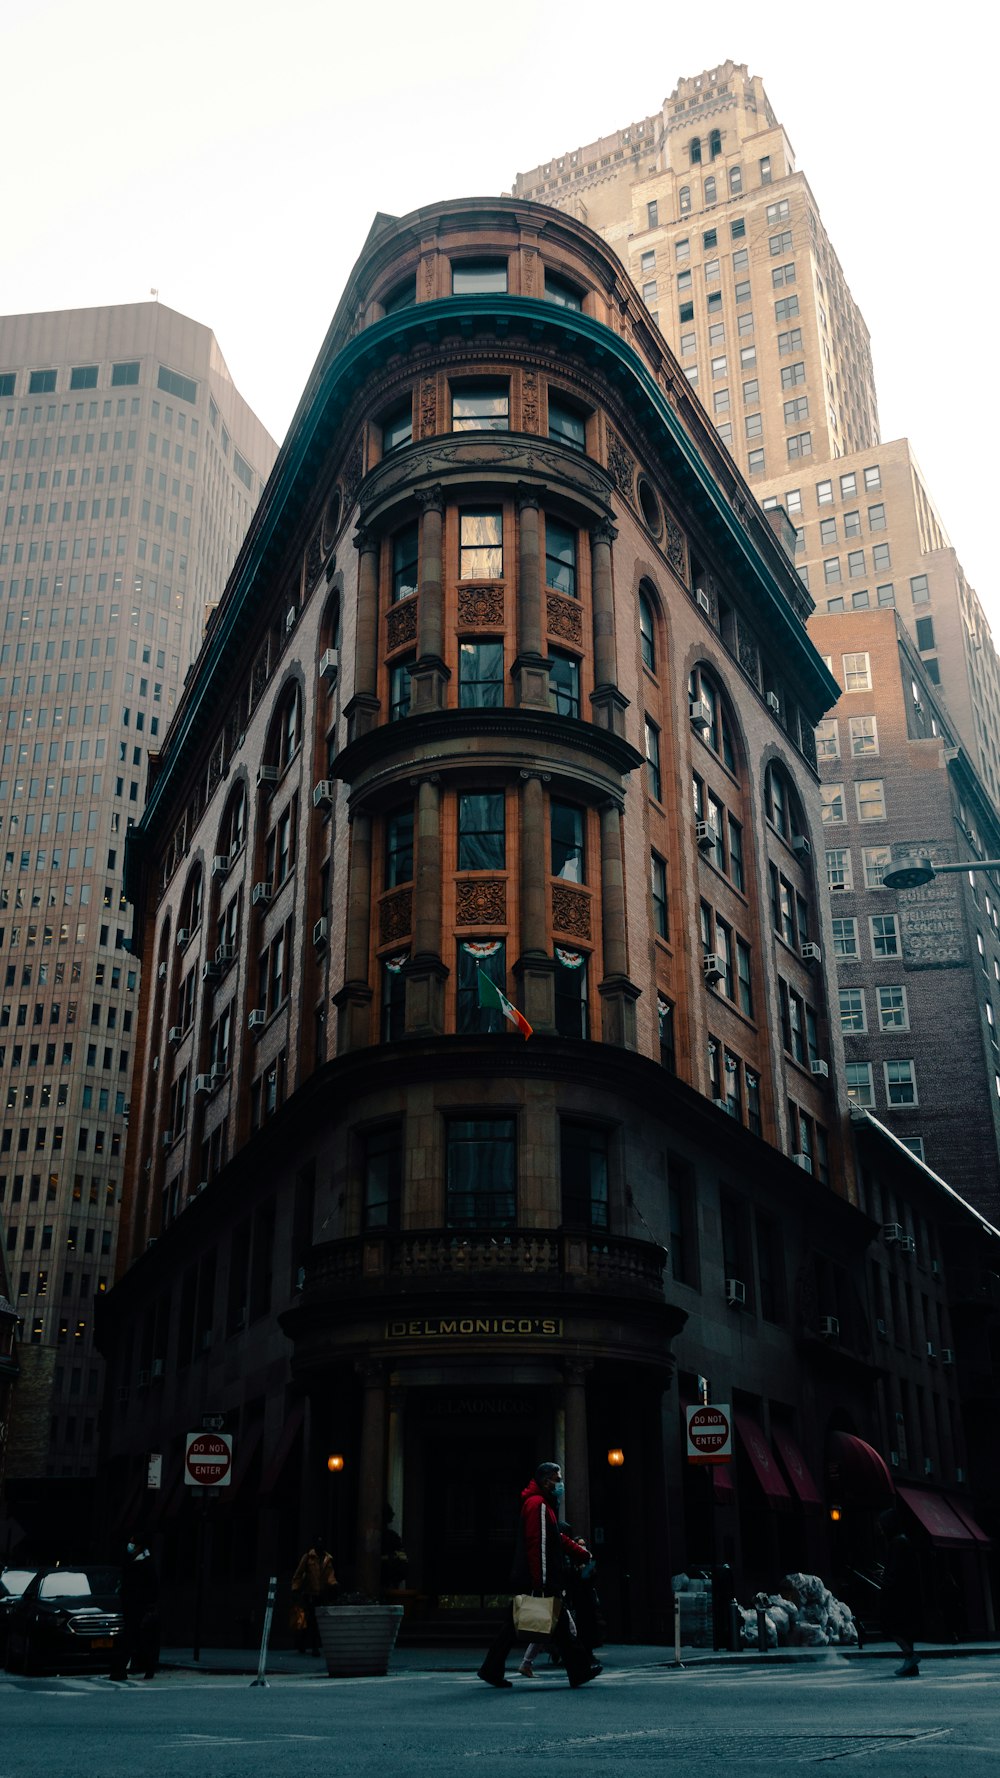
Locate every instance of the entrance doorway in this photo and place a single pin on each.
(473, 1483)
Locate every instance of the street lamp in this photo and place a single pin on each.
(915, 873)
(335, 1464)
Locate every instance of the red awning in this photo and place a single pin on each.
(857, 1472)
(283, 1449)
(762, 1461)
(795, 1466)
(962, 1512)
(942, 1524)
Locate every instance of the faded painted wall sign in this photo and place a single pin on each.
(931, 921)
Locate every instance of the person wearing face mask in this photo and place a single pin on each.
(542, 1558)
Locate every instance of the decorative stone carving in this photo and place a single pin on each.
(353, 471)
(529, 387)
(258, 678)
(430, 499)
(481, 607)
(401, 624)
(481, 902)
(676, 549)
(215, 767)
(747, 652)
(331, 521)
(570, 911)
(428, 407)
(807, 741)
(395, 917)
(564, 618)
(621, 465)
(313, 563)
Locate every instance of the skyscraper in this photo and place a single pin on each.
(130, 467)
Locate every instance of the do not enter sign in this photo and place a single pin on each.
(710, 1434)
(208, 1459)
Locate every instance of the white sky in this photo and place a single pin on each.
(233, 154)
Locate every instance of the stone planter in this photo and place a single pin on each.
(357, 1640)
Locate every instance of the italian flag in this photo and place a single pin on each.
(490, 995)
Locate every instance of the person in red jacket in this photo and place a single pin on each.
(542, 1558)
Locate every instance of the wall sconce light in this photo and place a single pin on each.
(335, 1463)
(616, 1458)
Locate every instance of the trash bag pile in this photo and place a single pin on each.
(804, 1614)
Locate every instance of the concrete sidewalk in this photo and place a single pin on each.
(287, 1663)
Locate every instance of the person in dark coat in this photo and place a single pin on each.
(139, 1641)
(902, 1601)
(542, 1559)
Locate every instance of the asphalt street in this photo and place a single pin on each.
(755, 1719)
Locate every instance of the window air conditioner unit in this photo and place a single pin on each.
(713, 969)
(947, 1355)
(167, 1138)
(829, 1327)
(931, 1350)
(320, 931)
(161, 974)
(702, 600)
(881, 1329)
(705, 836)
(329, 661)
(820, 1069)
(907, 1244)
(774, 703)
(267, 774)
(225, 954)
(290, 615)
(261, 894)
(701, 716)
(220, 864)
(736, 1293)
(936, 1268)
(894, 1459)
(175, 1034)
(804, 1161)
(802, 848)
(891, 1232)
(928, 1466)
(257, 1019)
(236, 846)
(204, 1083)
(183, 934)
(157, 1368)
(721, 1104)
(811, 952)
(210, 971)
(322, 794)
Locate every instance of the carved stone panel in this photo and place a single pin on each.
(214, 768)
(570, 911)
(747, 652)
(401, 624)
(313, 562)
(481, 902)
(395, 916)
(676, 549)
(428, 407)
(258, 677)
(564, 618)
(529, 394)
(353, 471)
(480, 607)
(621, 466)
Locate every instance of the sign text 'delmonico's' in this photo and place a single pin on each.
(453, 1327)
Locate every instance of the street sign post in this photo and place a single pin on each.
(154, 1470)
(208, 1459)
(710, 1433)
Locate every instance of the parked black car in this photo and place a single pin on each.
(65, 1619)
(12, 1584)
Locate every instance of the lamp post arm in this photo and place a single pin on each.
(976, 864)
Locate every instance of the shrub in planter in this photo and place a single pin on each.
(357, 1636)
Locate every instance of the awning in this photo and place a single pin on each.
(942, 1524)
(962, 1512)
(857, 1472)
(283, 1450)
(795, 1466)
(762, 1461)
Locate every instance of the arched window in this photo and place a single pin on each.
(647, 631)
(685, 199)
(233, 832)
(694, 150)
(286, 730)
(710, 717)
(191, 906)
(735, 181)
(715, 143)
(781, 804)
(710, 190)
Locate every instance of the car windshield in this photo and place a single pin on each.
(14, 1580)
(79, 1583)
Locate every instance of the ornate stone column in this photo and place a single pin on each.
(535, 968)
(429, 675)
(618, 994)
(371, 1479)
(530, 671)
(609, 704)
(577, 1469)
(353, 1000)
(426, 973)
(362, 711)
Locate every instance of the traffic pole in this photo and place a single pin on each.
(265, 1633)
(677, 1631)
